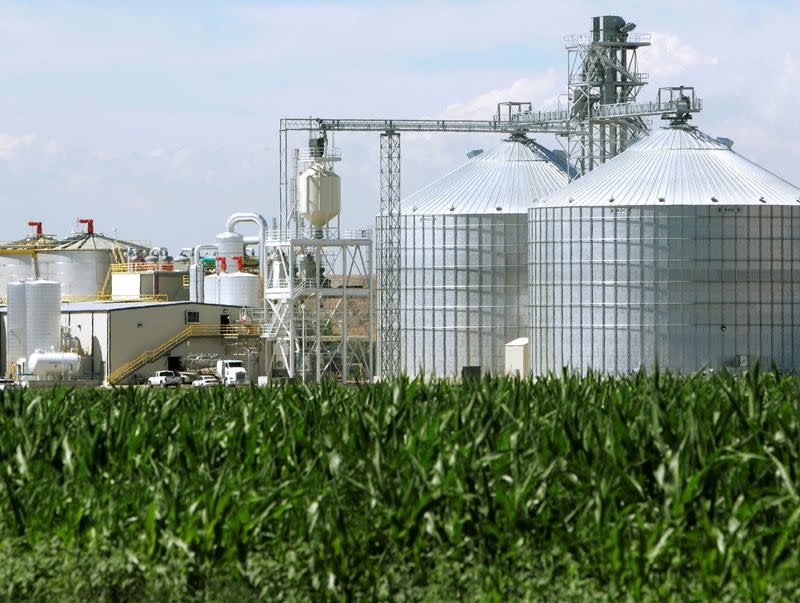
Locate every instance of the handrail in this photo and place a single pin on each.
(106, 298)
(198, 330)
(143, 267)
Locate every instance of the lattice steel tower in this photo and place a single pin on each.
(603, 70)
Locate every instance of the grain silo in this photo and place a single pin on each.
(679, 253)
(463, 258)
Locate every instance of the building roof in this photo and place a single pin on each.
(506, 179)
(677, 165)
(96, 240)
(111, 306)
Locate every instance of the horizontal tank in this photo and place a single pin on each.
(52, 364)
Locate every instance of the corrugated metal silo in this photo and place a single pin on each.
(463, 259)
(679, 252)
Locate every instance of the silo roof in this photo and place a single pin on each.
(97, 241)
(677, 165)
(506, 179)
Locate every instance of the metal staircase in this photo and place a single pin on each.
(241, 330)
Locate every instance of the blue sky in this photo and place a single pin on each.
(159, 119)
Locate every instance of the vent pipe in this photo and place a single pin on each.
(89, 224)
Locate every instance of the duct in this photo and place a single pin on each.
(196, 293)
(259, 221)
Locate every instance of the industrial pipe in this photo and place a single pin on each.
(259, 221)
(196, 294)
(38, 226)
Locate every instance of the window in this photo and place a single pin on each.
(192, 316)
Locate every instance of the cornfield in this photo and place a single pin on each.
(648, 487)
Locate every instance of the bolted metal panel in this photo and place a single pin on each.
(463, 253)
(509, 178)
(684, 287)
(389, 256)
(463, 291)
(679, 253)
(677, 165)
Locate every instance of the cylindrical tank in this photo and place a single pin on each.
(196, 282)
(211, 289)
(678, 254)
(318, 195)
(50, 364)
(229, 245)
(239, 289)
(43, 316)
(463, 277)
(81, 272)
(16, 333)
(181, 263)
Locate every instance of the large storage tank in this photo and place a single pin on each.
(239, 289)
(463, 257)
(43, 316)
(211, 288)
(80, 262)
(33, 321)
(679, 252)
(16, 321)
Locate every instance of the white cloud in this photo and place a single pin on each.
(9, 144)
(669, 56)
(542, 91)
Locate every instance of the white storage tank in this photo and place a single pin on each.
(53, 364)
(230, 245)
(318, 195)
(80, 263)
(239, 289)
(678, 253)
(463, 258)
(211, 288)
(43, 316)
(196, 282)
(16, 320)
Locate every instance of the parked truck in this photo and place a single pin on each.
(165, 379)
(232, 372)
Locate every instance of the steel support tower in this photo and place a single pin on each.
(603, 70)
(389, 256)
(601, 116)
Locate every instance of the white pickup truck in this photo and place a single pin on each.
(165, 379)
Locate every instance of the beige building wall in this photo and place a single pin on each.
(135, 330)
(111, 336)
